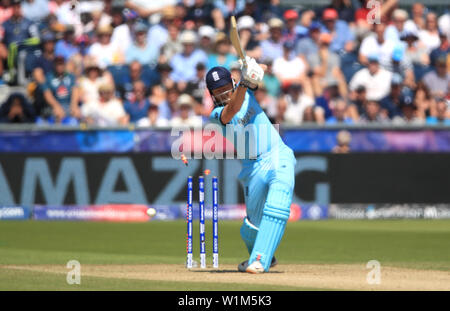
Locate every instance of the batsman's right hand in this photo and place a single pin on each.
(251, 71)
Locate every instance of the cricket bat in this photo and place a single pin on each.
(234, 37)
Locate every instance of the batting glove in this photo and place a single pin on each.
(251, 72)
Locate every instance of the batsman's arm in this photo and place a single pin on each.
(252, 74)
(237, 98)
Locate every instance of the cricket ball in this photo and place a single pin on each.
(151, 212)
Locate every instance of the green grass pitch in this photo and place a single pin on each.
(421, 244)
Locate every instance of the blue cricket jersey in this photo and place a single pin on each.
(253, 125)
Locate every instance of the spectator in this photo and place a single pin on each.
(61, 94)
(415, 49)
(293, 104)
(372, 113)
(267, 102)
(137, 107)
(376, 80)
(6, 10)
(67, 15)
(235, 71)
(228, 8)
(146, 8)
(306, 21)
(153, 118)
(184, 63)
(2, 83)
(442, 113)
(201, 13)
(122, 35)
(106, 110)
(98, 17)
(441, 51)
(67, 46)
(358, 99)
(309, 45)
(393, 31)
(390, 104)
(272, 48)
(340, 115)
(16, 33)
(173, 45)
(376, 44)
(197, 86)
(222, 53)
(365, 16)
(135, 73)
(342, 37)
(271, 82)
(43, 63)
(326, 68)
(157, 95)
(164, 71)
(424, 101)
(117, 15)
(185, 115)
(141, 50)
(409, 116)
(430, 35)
(104, 51)
(207, 36)
(35, 10)
(92, 79)
(401, 65)
(361, 20)
(438, 80)
(343, 142)
(289, 68)
(159, 34)
(252, 8)
(444, 24)
(290, 29)
(310, 117)
(417, 22)
(17, 110)
(168, 107)
(250, 45)
(344, 8)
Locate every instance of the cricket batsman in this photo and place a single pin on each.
(268, 186)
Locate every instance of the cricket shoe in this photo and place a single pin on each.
(255, 267)
(242, 267)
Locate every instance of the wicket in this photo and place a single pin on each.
(215, 221)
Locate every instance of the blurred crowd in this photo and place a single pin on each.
(120, 62)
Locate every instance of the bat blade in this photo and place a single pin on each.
(234, 37)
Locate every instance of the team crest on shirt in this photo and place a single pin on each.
(62, 91)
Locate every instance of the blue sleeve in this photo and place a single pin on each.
(126, 107)
(73, 81)
(129, 55)
(350, 36)
(216, 114)
(47, 84)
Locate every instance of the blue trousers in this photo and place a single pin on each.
(268, 187)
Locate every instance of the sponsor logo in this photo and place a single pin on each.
(12, 213)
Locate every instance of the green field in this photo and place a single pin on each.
(415, 244)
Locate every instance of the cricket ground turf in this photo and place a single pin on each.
(320, 255)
